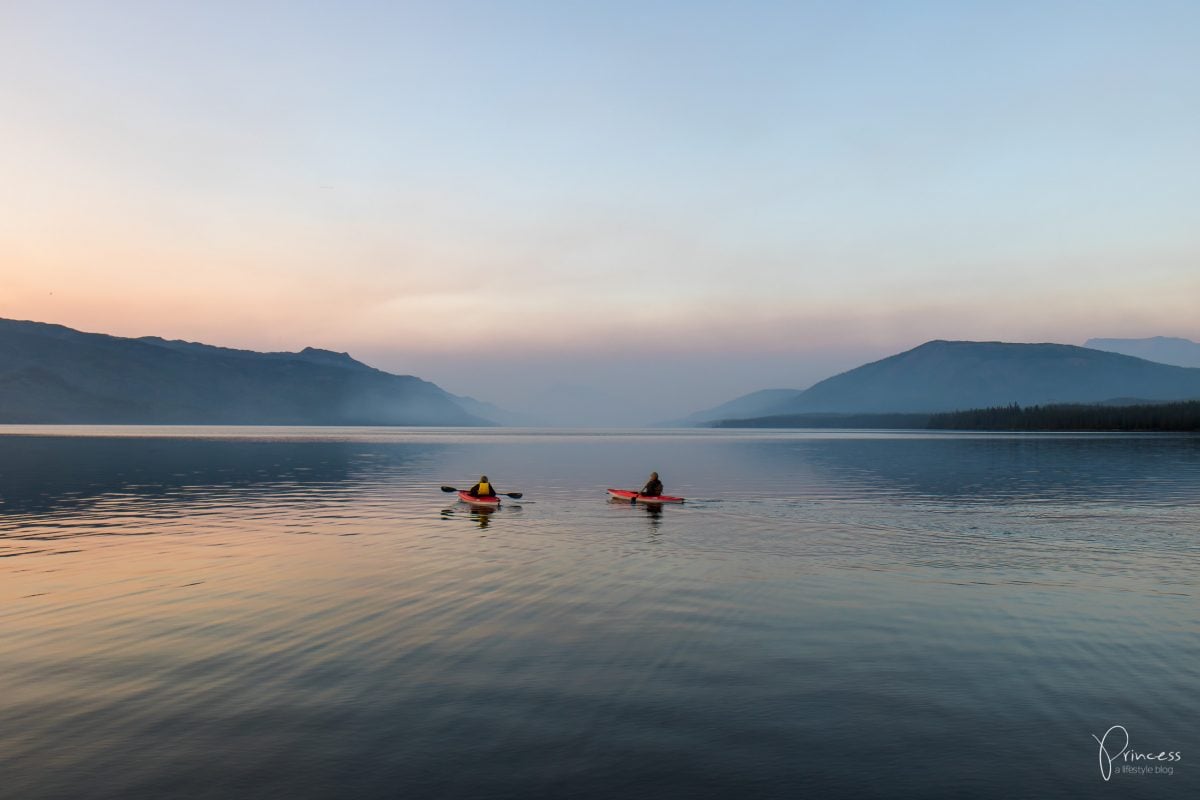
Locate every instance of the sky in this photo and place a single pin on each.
(632, 209)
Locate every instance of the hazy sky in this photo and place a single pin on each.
(676, 202)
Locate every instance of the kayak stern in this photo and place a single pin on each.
(479, 502)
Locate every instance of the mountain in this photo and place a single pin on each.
(756, 404)
(1163, 349)
(490, 412)
(949, 376)
(53, 374)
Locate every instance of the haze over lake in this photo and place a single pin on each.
(286, 612)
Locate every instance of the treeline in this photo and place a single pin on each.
(1184, 416)
(1157, 417)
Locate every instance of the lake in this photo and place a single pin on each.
(273, 612)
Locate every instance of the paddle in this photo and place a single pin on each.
(513, 495)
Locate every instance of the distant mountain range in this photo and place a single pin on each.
(53, 374)
(949, 376)
(763, 403)
(1163, 349)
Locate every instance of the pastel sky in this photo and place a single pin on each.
(672, 202)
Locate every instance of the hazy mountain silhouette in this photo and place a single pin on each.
(490, 412)
(53, 374)
(950, 376)
(1163, 349)
(755, 404)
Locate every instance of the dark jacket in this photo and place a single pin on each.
(652, 488)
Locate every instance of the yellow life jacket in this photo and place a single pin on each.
(485, 489)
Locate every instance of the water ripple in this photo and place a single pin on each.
(267, 613)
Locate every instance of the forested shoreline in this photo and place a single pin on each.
(1184, 416)
(1146, 417)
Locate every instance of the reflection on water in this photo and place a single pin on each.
(260, 613)
(480, 515)
(47, 473)
(987, 468)
(653, 514)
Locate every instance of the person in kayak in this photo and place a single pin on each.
(483, 488)
(653, 487)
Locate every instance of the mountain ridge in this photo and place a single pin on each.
(743, 406)
(950, 375)
(50, 373)
(1174, 350)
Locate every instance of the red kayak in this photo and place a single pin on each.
(634, 497)
(479, 502)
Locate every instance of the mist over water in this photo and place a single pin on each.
(630, 384)
(207, 612)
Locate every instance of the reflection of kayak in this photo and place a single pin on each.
(622, 494)
(479, 502)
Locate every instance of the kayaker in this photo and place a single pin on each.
(653, 487)
(483, 488)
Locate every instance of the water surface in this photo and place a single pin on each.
(241, 612)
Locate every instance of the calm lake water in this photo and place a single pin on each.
(293, 613)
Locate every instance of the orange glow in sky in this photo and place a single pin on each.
(799, 187)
